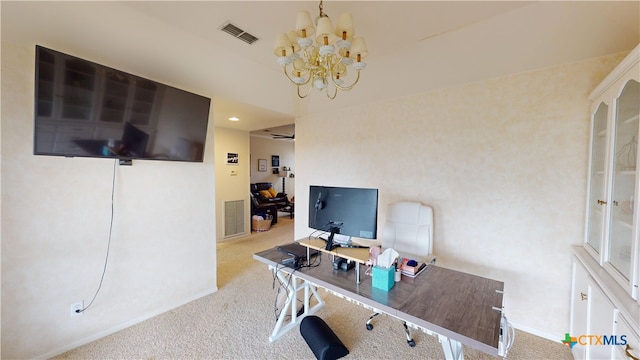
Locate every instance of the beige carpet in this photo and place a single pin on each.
(236, 321)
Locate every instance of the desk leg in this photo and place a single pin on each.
(452, 348)
(290, 309)
(358, 273)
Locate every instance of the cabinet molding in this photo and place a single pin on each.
(625, 65)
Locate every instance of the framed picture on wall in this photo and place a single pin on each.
(275, 160)
(232, 158)
(262, 164)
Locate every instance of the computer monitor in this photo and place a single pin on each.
(346, 211)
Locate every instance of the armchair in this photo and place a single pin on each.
(263, 193)
(264, 209)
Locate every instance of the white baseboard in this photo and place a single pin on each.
(543, 334)
(122, 326)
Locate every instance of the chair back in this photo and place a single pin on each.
(408, 229)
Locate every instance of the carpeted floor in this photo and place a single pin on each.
(236, 321)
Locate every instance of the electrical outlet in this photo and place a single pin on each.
(75, 307)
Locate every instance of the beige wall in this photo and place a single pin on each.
(55, 227)
(232, 181)
(503, 162)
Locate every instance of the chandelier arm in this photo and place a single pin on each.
(345, 88)
(290, 79)
(335, 93)
(305, 95)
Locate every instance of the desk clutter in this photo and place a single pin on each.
(297, 255)
(389, 266)
(412, 268)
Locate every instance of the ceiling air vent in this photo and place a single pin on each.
(238, 33)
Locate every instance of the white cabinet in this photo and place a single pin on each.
(604, 319)
(600, 319)
(606, 272)
(591, 313)
(631, 339)
(579, 307)
(612, 235)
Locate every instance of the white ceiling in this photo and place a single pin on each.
(414, 46)
(281, 133)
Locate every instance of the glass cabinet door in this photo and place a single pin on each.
(597, 178)
(623, 182)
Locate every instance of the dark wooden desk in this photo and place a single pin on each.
(459, 308)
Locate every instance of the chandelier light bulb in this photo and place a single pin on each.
(346, 60)
(282, 46)
(305, 42)
(344, 27)
(293, 39)
(283, 60)
(318, 83)
(359, 65)
(304, 25)
(343, 44)
(327, 50)
(358, 47)
(324, 32)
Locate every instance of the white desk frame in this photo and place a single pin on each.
(300, 281)
(294, 285)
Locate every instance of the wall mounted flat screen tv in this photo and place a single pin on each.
(89, 110)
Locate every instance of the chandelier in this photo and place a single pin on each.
(321, 62)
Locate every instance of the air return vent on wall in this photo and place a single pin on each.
(238, 33)
(233, 218)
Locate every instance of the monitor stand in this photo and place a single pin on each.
(330, 245)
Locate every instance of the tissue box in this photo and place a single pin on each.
(383, 278)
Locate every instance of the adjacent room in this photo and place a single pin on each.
(126, 223)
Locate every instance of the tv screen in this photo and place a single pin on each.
(90, 110)
(345, 211)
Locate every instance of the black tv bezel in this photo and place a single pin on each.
(125, 158)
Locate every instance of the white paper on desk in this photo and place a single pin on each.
(387, 258)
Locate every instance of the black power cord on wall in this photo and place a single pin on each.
(106, 259)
